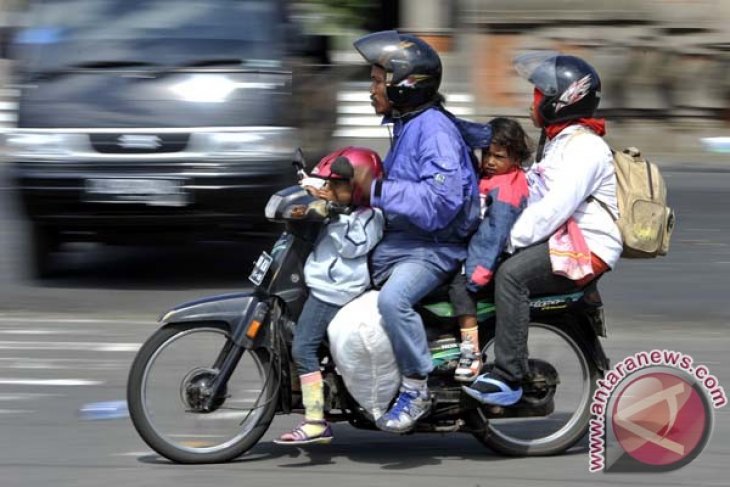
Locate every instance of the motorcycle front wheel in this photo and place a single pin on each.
(568, 417)
(166, 385)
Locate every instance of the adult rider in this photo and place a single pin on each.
(575, 178)
(430, 200)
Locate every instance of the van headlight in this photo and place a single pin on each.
(35, 144)
(274, 141)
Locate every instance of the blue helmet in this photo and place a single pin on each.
(571, 86)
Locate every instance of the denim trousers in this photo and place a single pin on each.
(409, 282)
(527, 273)
(310, 332)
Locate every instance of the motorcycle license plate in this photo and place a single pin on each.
(260, 268)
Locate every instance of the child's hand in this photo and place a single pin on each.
(325, 193)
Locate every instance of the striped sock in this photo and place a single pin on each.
(313, 399)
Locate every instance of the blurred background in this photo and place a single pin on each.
(165, 121)
(166, 124)
(664, 63)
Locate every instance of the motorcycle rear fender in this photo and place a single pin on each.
(580, 327)
(234, 311)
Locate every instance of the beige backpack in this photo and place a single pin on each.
(645, 220)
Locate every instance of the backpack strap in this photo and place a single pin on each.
(603, 205)
(591, 197)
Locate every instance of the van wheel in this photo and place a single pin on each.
(44, 241)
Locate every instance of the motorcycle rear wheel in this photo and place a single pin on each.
(564, 427)
(163, 394)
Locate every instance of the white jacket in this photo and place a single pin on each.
(574, 167)
(337, 269)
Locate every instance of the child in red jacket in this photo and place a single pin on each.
(503, 192)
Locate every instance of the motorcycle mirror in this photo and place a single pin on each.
(299, 161)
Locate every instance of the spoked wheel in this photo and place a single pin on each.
(562, 393)
(168, 385)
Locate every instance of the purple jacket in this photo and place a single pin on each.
(429, 194)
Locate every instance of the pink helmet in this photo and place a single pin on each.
(332, 166)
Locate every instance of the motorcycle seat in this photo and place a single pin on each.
(438, 303)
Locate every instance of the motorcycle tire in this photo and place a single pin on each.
(487, 434)
(158, 442)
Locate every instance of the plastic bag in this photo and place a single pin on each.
(363, 354)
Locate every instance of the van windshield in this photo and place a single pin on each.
(68, 33)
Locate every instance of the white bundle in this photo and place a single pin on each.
(363, 354)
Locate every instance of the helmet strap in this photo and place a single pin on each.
(408, 112)
(541, 146)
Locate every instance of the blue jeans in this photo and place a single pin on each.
(409, 282)
(309, 333)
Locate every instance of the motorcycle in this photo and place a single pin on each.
(206, 385)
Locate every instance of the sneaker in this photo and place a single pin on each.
(410, 406)
(490, 389)
(470, 363)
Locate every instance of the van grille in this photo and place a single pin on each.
(121, 143)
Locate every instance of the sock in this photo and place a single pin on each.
(471, 335)
(415, 384)
(313, 399)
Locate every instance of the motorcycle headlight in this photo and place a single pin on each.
(34, 144)
(270, 141)
(272, 206)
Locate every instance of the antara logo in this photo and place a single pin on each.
(149, 142)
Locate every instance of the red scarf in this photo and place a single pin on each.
(598, 125)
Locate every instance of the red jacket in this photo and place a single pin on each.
(504, 197)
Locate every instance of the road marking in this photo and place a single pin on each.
(218, 415)
(80, 346)
(191, 435)
(4, 318)
(58, 364)
(44, 332)
(16, 411)
(49, 382)
(31, 365)
(26, 396)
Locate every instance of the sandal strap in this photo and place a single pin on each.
(298, 433)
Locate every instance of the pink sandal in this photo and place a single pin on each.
(298, 436)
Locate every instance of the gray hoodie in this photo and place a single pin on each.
(337, 269)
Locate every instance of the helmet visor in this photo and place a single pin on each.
(385, 49)
(540, 69)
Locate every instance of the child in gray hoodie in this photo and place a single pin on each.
(335, 272)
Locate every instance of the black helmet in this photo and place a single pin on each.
(413, 68)
(571, 86)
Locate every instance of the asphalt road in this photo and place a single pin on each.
(68, 342)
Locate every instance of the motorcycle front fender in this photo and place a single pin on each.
(234, 311)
